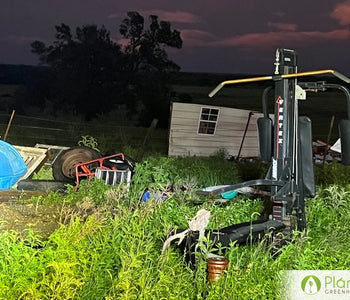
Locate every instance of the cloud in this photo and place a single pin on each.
(115, 15)
(173, 16)
(341, 13)
(170, 16)
(180, 17)
(122, 42)
(196, 38)
(282, 38)
(278, 13)
(283, 26)
(19, 40)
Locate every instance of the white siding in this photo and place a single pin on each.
(185, 141)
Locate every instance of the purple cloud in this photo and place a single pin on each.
(283, 26)
(18, 39)
(196, 38)
(277, 39)
(173, 16)
(341, 13)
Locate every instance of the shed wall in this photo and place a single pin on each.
(185, 141)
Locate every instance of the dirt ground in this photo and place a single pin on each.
(43, 219)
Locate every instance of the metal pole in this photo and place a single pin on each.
(245, 132)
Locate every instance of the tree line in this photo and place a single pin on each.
(90, 74)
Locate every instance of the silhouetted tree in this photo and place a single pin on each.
(146, 47)
(148, 67)
(85, 69)
(89, 73)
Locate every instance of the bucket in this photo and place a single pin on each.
(12, 165)
(216, 267)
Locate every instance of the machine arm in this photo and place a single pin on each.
(222, 189)
(323, 86)
(279, 77)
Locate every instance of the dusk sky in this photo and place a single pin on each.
(222, 36)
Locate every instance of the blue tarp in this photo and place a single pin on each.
(12, 165)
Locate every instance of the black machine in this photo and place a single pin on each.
(286, 142)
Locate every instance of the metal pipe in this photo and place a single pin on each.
(344, 90)
(245, 132)
(279, 77)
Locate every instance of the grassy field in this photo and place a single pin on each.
(109, 244)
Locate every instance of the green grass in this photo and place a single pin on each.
(109, 243)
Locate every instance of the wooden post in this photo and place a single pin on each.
(9, 125)
(148, 136)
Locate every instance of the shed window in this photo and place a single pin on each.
(207, 121)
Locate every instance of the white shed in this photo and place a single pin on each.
(202, 130)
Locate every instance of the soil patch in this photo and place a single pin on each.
(42, 219)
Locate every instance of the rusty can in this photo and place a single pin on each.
(216, 267)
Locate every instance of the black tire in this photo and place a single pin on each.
(41, 185)
(128, 161)
(63, 169)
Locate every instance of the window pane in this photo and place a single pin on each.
(202, 127)
(204, 117)
(208, 120)
(210, 131)
(214, 111)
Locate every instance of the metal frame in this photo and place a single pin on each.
(288, 177)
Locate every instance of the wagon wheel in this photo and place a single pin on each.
(64, 166)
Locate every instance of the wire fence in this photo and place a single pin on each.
(29, 131)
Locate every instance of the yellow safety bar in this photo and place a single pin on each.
(279, 77)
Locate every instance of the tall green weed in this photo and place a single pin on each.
(109, 245)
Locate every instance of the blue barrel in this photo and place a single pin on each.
(12, 165)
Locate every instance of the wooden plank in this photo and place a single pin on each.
(34, 158)
(229, 147)
(250, 147)
(222, 136)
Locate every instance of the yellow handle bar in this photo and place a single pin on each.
(279, 77)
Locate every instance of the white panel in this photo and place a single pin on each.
(184, 140)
